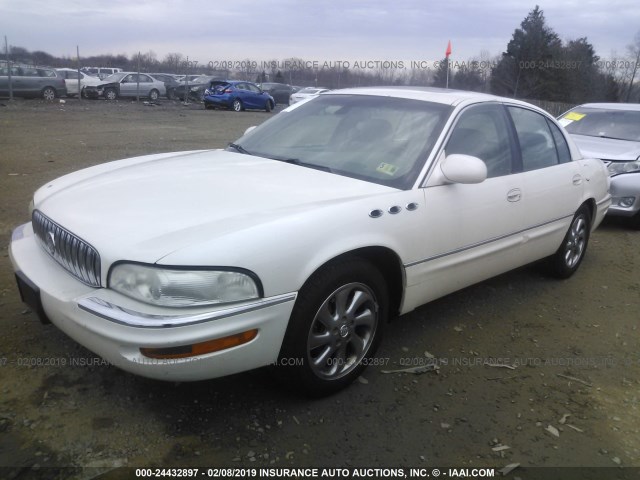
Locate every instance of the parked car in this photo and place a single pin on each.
(170, 83)
(238, 95)
(196, 88)
(294, 246)
(306, 94)
(125, 84)
(280, 92)
(29, 81)
(71, 80)
(611, 132)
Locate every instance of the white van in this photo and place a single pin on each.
(101, 72)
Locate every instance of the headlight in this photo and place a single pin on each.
(623, 167)
(172, 287)
(195, 89)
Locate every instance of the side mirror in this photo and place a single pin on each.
(249, 129)
(458, 168)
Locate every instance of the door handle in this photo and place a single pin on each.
(577, 179)
(514, 195)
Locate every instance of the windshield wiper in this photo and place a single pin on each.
(300, 163)
(604, 136)
(240, 148)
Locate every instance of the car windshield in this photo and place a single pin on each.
(116, 77)
(201, 80)
(310, 90)
(606, 123)
(378, 139)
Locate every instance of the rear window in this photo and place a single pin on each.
(604, 123)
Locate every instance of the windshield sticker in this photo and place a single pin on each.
(564, 122)
(574, 116)
(387, 169)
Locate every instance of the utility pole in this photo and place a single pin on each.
(6, 49)
(79, 83)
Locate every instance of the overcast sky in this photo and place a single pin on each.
(348, 30)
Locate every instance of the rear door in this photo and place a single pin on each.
(146, 85)
(552, 183)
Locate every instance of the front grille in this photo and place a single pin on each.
(74, 254)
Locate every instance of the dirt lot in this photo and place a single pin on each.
(572, 399)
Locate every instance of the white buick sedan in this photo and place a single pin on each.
(296, 245)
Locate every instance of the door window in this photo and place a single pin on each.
(537, 145)
(482, 132)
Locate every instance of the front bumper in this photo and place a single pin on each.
(116, 327)
(625, 186)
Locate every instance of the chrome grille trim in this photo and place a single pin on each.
(74, 254)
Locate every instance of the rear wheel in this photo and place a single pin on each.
(236, 105)
(154, 95)
(335, 327)
(568, 257)
(48, 93)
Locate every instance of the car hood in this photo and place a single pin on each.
(148, 207)
(607, 148)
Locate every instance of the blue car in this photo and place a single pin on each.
(238, 96)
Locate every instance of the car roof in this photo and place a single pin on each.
(613, 106)
(445, 96)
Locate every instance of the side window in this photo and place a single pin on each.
(537, 145)
(482, 131)
(145, 79)
(564, 155)
(30, 72)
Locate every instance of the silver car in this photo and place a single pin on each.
(127, 84)
(28, 81)
(611, 132)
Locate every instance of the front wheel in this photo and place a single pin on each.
(236, 105)
(569, 255)
(110, 94)
(48, 93)
(335, 327)
(268, 107)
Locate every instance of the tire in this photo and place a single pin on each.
(569, 255)
(110, 94)
(236, 105)
(268, 107)
(335, 327)
(154, 95)
(49, 93)
(634, 221)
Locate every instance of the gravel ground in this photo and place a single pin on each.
(569, 398)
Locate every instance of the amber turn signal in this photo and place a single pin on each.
(185, 351)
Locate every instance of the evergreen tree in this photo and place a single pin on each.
(525, 69)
